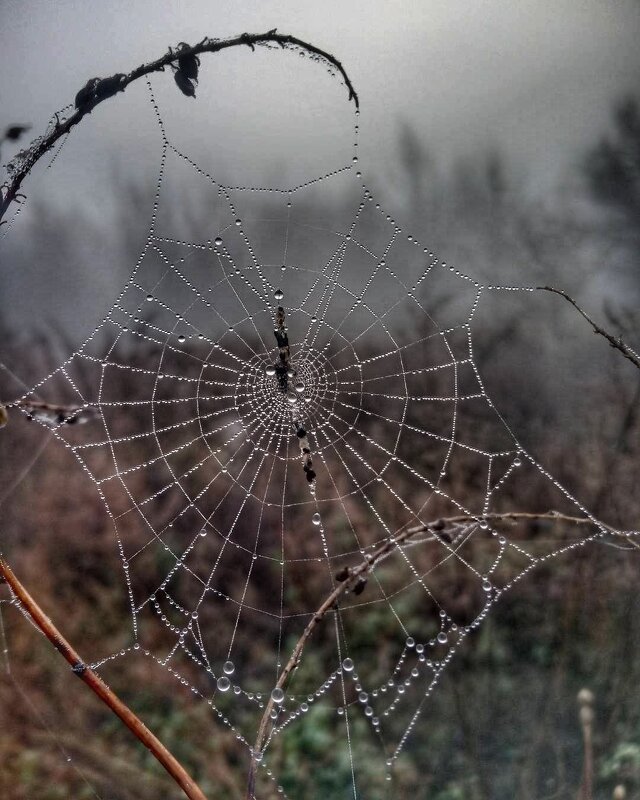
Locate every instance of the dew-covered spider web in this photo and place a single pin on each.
(288, 430)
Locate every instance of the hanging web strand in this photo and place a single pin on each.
(273, 404)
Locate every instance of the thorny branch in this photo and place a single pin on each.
(96, 90)
(351, 578)
(97, 685)
(614, 341)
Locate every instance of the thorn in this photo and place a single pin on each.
(245, 37)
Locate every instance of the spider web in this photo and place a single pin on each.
(271, 402)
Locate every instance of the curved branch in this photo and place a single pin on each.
(97, 685)
(614, 341)
(357, 574)
(87, 99)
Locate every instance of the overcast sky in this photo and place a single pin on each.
(536, 77)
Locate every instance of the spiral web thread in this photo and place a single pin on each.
(270, 404)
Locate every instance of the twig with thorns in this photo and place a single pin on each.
(97, 90)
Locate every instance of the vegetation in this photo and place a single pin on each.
(504, 722)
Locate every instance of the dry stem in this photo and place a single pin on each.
(364, 568)
(614, 341)
(95, 683)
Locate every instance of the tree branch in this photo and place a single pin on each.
(614, 341)
(90, 96)
(357, 573)
(95, 683)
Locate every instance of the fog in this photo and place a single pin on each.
(475, 132)
(534, 79)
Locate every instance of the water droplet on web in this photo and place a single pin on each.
(223, 683)
(149, 297)
(228, 668)
(217, 241)
(486, 585)
(442, 637)
(517, 462)
(410, 641)
(238, 222)
(181, 338)
(316, 519)
(347, 665)
(278, 294)
(270, 370)
(299, 387)
(277, 695)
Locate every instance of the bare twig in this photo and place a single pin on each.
(85, 673)
(354, 575)
(90, 96)
(614, 341)
(54, 414)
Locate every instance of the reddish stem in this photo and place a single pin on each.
(97, 685)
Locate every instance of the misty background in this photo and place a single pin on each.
(506, 138)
